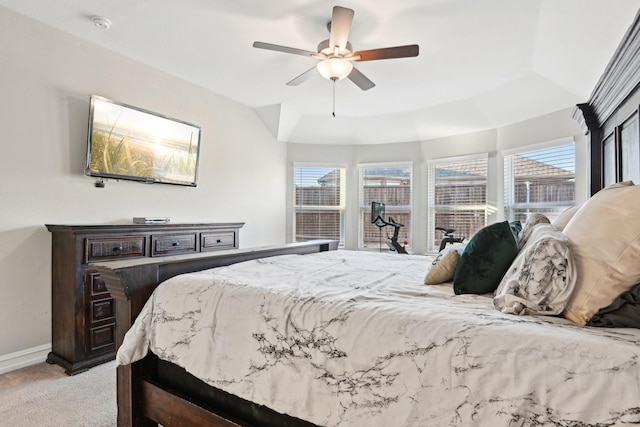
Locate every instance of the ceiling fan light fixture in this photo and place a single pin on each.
(336, 53)
(334, 68)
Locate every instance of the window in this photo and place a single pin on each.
(389, 184)
(457, 197)
(318, 203)
(540, 180)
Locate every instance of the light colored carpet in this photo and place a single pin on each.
(43, 395)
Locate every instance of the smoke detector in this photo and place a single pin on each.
(100, 22)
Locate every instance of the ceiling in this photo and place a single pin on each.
(483, 64)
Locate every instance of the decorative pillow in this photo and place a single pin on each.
(605, 241)
(541, 278)
(443, 267)
(486, 258)
(563, 219)
(534, 218)
(624, 311)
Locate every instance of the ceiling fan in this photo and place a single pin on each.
(336, 54)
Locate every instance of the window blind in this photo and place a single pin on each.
(319, 202)
(457, 197)
(540, 181)
(391, 185)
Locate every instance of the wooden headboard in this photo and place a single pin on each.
(610, 118)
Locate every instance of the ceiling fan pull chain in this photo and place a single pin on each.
(334, 98)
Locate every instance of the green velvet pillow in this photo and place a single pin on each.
(487, 258)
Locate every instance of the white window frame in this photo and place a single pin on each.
(342, 203)
(509, 203)
(431, 206)
(364, 209)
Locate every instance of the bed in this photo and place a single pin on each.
(418, 355)
(348, 338)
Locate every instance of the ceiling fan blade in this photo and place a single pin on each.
(388, 53)
(340, 27)
(285, 49)
(302, 77)
(360, 79)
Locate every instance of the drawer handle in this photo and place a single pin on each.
(218, 241)
(176, 243)
(117, 248)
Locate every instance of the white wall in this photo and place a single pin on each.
(46, 78)
(550, 127)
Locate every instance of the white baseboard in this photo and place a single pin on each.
(20, 359)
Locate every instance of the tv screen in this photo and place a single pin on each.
(126, 142)
(377, 213)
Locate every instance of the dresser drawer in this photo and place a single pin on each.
(104, 309)
(173, 244)
(110, 248)
(217, 241)
(102, 338)
(97, 287)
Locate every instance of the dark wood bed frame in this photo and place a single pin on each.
(152, 391)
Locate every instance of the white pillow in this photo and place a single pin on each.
(565, 216)
(605, 242)
(541, 278)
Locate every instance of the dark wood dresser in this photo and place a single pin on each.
(82, 310)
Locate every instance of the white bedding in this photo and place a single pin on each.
(347, 338)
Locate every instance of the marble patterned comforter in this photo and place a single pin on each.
(346, 338)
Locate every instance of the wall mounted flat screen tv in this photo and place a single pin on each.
(126, 142)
